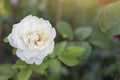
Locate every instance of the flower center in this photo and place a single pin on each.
(33, 38)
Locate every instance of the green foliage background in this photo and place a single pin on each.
(87, 43)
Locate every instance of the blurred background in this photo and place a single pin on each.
(100, 65)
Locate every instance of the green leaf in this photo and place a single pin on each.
(87, 47)
(83, 32)
(55, 65)
(40, 68)
(5, 77)
(101, 40)
(6, 71)
(25, 74)
(71, 54)
(75, 51)
(65, 30)
(110, 19)
(20, 64)
(59, 48)
(68, 60)
(5, 40)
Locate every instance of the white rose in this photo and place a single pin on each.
(34, 39)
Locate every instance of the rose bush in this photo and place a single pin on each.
(87, 40)
(34, 39)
